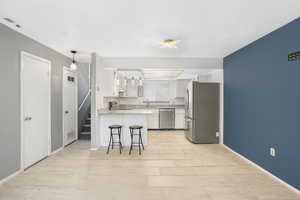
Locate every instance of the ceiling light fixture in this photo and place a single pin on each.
(73, 65)
(132, 81)
(169, 43)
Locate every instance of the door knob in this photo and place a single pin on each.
(28, 118)
(66, 112)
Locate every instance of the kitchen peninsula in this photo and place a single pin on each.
(125, 118)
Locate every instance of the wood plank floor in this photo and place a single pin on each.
(170, 168)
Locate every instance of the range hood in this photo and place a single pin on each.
(161, 74)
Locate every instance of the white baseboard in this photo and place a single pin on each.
(10, 176)
(94, 149)
(292, 188)
(21, 170)
(56, 151)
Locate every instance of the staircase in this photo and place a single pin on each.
(85, 130)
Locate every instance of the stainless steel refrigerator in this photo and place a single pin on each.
(202, 110)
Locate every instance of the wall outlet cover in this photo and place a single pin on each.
(272, 151)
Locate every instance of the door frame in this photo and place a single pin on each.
(76, 105)
(26, 54)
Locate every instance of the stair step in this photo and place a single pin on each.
(86, 125)
(85, 133)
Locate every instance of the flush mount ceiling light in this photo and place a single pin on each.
(73, 65)
(169, 43)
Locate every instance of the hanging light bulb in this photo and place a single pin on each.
(132, 81)
(125, 81)
(73, 65)
(140, 81)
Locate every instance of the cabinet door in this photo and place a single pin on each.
(181, 86)
(179, 119)
(153, 120)
(107, 86)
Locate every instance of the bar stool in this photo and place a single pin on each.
(139, 134)
(111, 140)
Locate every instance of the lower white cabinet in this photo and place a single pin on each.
(153, 120)
(179, 119)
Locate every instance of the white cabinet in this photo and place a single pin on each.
(157, 90)
(179, 118)
(107, 83)
(172, 89)
(181, 85)
(153, 119)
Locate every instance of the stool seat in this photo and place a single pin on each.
(115, 126)
(135, 127)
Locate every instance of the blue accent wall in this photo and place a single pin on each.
(262, 102)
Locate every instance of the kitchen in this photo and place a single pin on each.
(154, 98)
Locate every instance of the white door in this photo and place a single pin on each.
(69, 105)
(35, 108)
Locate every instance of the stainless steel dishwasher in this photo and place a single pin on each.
(166, 118)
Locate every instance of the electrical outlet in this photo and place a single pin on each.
(272, 151)
(217, 134)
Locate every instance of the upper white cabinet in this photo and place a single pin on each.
(181, 85)
(157, 90)
(107, 86)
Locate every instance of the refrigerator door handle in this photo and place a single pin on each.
(188, 119)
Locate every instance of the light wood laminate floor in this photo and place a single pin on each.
(170, 168)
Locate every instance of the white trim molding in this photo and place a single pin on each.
(76, 105)
(56, 151)
(10, 176)
(21, 170)
(162, 62)
(292, 188)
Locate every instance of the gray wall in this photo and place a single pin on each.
(11, 44)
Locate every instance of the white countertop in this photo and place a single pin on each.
(120, 112)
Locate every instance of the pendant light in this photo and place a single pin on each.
(140, 81)
(73, 65)
(133, 81)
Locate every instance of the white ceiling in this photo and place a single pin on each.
(135, 28)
